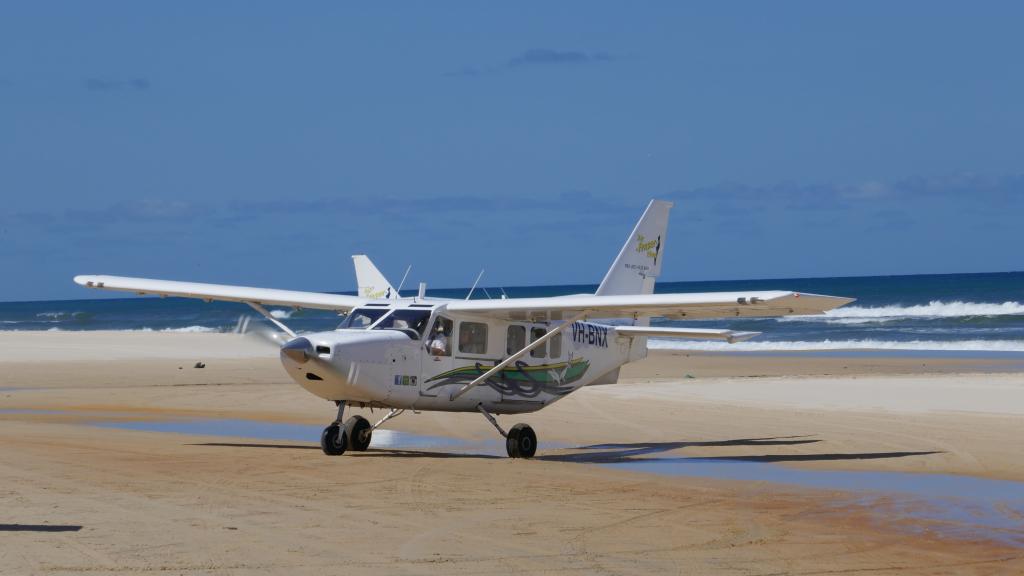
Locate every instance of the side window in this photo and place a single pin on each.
(516, 340)
(555, 345)
(473, 337)
(542, 350)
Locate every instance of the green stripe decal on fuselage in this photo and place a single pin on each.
(522, 380)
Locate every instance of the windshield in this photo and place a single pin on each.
(362, 318)
(402, 319)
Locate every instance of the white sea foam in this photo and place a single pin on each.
(191, 329)
(768, 346)
(58, 316)
(281, 314)
(933, 309)
(185, 329)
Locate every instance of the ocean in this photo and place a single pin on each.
(939, 312)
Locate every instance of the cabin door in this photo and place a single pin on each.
(436, 355)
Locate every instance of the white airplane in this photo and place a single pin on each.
(507, 356)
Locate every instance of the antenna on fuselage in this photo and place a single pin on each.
(475, 282)
(423, 291)
(398, 291)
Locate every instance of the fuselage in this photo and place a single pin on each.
(414, 354)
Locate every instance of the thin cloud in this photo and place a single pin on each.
(535, 57)
(548, 57)
(117, 85)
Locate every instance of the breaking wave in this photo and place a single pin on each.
(281, 314)
(783, 346)
(933, 309)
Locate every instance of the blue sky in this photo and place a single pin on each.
(262, 144)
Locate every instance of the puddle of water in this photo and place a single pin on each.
(959, 506)
(386, 439)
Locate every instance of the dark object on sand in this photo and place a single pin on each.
(199, 365)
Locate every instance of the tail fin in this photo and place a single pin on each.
(639, 262)
(371, 283)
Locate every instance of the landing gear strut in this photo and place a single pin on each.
(520, 441)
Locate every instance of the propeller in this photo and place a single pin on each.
(285, 340)
(260, 333)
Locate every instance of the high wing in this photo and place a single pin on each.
(208, 292)
(730, 336)
(673, 306)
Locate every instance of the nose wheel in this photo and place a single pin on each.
(352, 434)
(333, 440)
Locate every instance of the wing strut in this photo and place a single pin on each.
(501, 365)
(270, 317)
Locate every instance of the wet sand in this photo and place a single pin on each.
(78, 497)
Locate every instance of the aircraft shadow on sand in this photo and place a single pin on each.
(39, 528)
(636, 452)
(627, 452)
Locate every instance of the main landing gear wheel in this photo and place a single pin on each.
(333, 440)
(521, 442)
(358, 431)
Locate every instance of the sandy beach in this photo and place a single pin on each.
(769, 444)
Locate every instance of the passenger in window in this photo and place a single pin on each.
(473, 337)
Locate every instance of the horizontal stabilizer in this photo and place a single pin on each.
(729, 336)
(269, 296)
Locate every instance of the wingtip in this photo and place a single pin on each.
(89, 280)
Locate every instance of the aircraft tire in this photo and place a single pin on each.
(333, 440)
(358, 433)
(521, 442)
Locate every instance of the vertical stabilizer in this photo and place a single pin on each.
(639, 262)
(638, 265)
(369, 280)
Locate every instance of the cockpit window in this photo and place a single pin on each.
(362, 318)
(415, 320)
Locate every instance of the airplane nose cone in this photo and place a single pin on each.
(299, 350)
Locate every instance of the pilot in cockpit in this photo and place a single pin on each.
(439, 342)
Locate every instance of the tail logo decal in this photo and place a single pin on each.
(650, 248)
